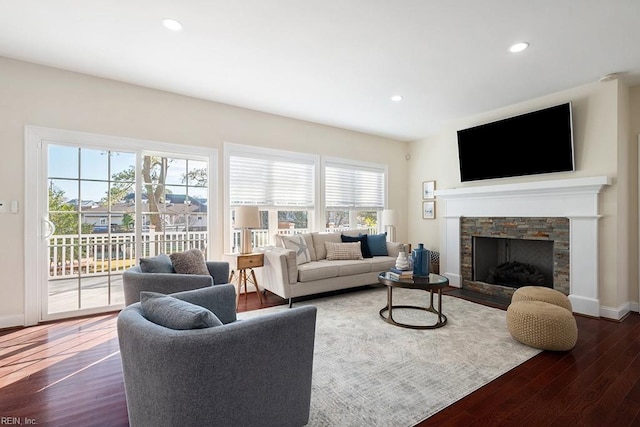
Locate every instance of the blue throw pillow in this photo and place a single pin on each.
(157, 264)
(378, 244)
(364, 246)
(173, 313)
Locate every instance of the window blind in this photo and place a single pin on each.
(353, 187)
(270, 181)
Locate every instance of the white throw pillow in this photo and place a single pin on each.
(298, 244)
(343, 251)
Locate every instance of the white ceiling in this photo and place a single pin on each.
(336, 62)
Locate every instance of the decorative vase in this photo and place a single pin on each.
(402, 262)
(420, 257)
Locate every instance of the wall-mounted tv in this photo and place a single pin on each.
(532, 143)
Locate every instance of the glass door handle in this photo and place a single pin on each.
(49, 226)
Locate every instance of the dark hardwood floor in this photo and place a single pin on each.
(68, 373)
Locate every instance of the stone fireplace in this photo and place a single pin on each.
(565, 211)
(488, 243)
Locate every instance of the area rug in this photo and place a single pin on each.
(369, 372)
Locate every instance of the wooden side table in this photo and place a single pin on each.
(243, 272)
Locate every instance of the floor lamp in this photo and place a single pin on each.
(246, 218)
(389, 220)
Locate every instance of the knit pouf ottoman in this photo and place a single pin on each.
(540, 293)
(542, 325)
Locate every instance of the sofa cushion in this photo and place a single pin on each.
(364, 245)
(157, 264)
(382, 263)
(318, 270)
(337, 251)
(298, 244)
(173, 313)
(349, 268)
(319, 240)
(189, 262)
(378, 244)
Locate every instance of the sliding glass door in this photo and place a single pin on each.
(105, 205)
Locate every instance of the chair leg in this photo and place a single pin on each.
(290, 302)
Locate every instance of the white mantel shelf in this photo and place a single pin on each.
(563, 186)
(576, 199)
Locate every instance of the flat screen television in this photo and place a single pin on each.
(532, 143)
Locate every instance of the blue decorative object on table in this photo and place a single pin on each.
(420, 257)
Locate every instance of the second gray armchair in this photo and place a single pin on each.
(134, 280)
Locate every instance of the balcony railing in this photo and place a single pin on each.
(95, 254)
(91, 254)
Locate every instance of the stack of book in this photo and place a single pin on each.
(396, 274)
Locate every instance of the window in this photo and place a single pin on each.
(354, 194)
(282, 184)
(292, 198)
(270, 181)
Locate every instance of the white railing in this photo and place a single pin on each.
(94, 254)
(91, 254)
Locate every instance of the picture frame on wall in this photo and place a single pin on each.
(428, 210)
(428, 190)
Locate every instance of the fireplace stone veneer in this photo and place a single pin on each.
(548, 229)
(575, 199)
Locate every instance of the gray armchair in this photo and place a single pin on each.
(134, 280)
(250, 372)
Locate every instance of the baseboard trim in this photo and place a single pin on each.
(13, 321)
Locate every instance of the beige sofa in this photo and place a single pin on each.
(289, 275)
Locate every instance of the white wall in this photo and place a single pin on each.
(36, 95)
(596, 139)
(634, 200)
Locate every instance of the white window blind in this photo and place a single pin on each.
(271, 181)
(353, 187)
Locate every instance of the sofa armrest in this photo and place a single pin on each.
(394, 248)
(219, 270)
(280, 270)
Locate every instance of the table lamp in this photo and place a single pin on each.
(389, 220)
(246, 218)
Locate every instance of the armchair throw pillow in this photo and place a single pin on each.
(189, 262)
(170, 312)
(157, 264)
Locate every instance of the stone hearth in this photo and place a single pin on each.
(576, 200)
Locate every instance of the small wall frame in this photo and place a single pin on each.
(428, 190)
(429, 209)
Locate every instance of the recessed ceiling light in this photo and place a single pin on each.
(171, 24)
(518, 47)
(396, 98)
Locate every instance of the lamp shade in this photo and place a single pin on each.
(389, 217)
(247, 217)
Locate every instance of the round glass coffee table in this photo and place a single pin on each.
(434, 282)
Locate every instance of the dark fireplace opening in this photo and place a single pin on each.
(513, 262)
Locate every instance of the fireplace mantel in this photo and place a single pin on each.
(576, 199)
